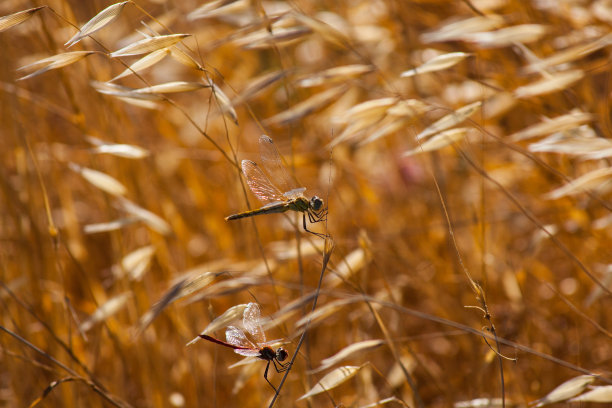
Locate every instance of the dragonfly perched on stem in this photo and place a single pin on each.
(251, 341)
(279, 200)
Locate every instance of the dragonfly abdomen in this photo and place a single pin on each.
(279, 208)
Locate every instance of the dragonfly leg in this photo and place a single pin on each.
(266, 375)
(283, 367)
(311, 217)
(323, 215)
(315, 217)
(312, 232)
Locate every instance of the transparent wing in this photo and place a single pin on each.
(295, 193)
(251, 321)
(236, 337)
(273, 164)
(259, 184)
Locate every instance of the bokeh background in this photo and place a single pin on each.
(462, 148)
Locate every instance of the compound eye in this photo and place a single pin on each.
(281, 354)
(316, 203)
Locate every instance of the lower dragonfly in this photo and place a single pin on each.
(251, 341)
(278, 202)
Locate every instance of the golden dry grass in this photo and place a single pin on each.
(477, 183)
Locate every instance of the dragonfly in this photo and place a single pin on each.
(279, 200)
(251, 341)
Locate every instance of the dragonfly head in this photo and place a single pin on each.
(316, 203)
(281, 354)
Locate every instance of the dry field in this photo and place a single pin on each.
(462, 149)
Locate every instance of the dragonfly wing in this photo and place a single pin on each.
(236, 337)
(259, 183)
(295, 193)
(248, 352)
(274, 164)
(272, 343)
(252, 322)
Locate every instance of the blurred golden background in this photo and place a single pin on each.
(462, 149)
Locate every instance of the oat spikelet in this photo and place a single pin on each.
(566, 390)
(588, 148)
(523, 33)
(326, 31)
(450, 120)
(380, 117)
(225, 104)
(599, 180)
(153, 221)
(304, 108)
(556, 124)
(229, 286)
(456, 30)
(149, 44)
(134, 264)
(323, 312)
(179, 290)
(101, 180)
(99, 21)
(287, 250)
(597, 394)
(569, 54)
(128, 95)
(332, 380)
(126, 151)
(257, 85)
(11, 20)
(439, 141)
(288, 311)
(346, 352)
(106, 310)
(120, 91)
(262, 39)
(217, 8)
(185, 59)
(374, 108)
(172, 87)
(554, 83)
(145, 62)
(351, 264)
(335, 75)
(437, 64)
(408, 108)
(54, 62)
(386, 128)
(108, 226)
(486, 402)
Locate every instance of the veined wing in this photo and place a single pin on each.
(235, 336)
(251, 321)
(259, 183)
(273, 164)
(295, 193)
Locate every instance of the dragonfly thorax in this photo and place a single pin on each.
(267, 353)
(316, 203)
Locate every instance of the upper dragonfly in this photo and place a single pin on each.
(279, 200)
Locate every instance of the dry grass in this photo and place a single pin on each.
(479, 185)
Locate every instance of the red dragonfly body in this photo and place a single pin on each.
(251, 341)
